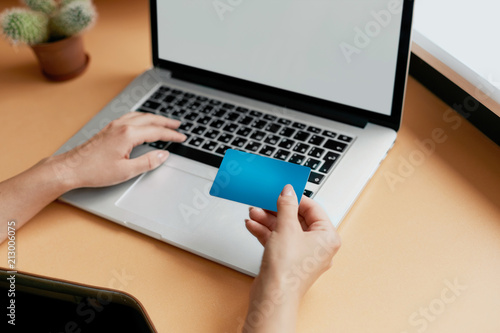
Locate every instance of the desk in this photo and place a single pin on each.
(412, 233)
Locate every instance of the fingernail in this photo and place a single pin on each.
(162, 156)
(287, 191)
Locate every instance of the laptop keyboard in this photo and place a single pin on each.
(213, 126)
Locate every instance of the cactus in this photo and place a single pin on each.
(25, 26)
(45, 6)
(72, 18)
(47, 20)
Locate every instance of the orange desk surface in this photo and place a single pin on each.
(413, 232)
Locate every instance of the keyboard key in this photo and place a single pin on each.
(158, 144)
(181, 102)
(345, 138)
(239, 142)
(299, 125)
(178, 113)
(217, 123)
(207, 109)
(194, 106)
(198, 130)
(286, 143)
(258, 135)
(260, 124)
(186, 126)
(241, 110)
(327, 166)
(301, 148)
(316, 140)
(267, 150)
(297, 159)
(283, 121)
(196, 141)
(151, 105)
(228, 106)
(329, 134)
(316, 152)
(315, 178)
(331, 156)
(272, 139)
(244, 131)
(230, 128)
(176, 92)
(335, 145)
(232, 116)
(314, 130)
(191, 116)
(312, 163)
(225, 138)
(273, 128)
(222, 149)
(301, 135)
(245, 120)
(220, 113)
(281, 154)
(166, 109)
(253, 146)
(214, 102)
(169, 98)
(287, 131)
(188, 95)
(164, 89)
(255, 113)
(212, 134)
(269, 117)
(210, 145)
(204, 120)
(308, 193)
(157, 97)
(201, 98)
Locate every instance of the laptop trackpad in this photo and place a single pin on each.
(170, 196)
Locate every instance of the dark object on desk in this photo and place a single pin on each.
(478, 115)
(38, 304)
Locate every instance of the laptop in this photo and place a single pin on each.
(316, 83)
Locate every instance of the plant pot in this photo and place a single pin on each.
(62, 60)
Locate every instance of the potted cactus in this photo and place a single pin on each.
(53, 30)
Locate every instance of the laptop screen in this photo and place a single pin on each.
(340, 51)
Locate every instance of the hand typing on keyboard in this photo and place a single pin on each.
(103, 160)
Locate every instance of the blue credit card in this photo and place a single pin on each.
(256, 180)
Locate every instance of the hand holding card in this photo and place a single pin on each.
(257, 180)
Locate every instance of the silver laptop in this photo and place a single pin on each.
(317, 83)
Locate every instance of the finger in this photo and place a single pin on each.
(141, 134)
(263, 217)
(259, 231)
(144, 163)
(142, 119)
(311, 211)
(287, 209)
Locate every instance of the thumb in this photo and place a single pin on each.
(148, 161)
(287, 209)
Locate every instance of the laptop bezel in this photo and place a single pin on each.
(315, 106)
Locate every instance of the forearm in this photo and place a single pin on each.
(24, 195)
(273, 307)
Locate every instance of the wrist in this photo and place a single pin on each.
(62, 175)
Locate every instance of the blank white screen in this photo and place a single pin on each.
(289, 44)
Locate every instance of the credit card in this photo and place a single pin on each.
(257, 180)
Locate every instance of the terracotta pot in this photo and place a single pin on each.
(62, 60)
